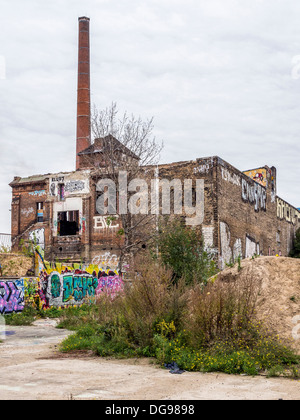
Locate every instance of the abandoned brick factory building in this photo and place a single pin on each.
(242, 214)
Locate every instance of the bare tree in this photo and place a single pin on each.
(133, 133)
(124, 144)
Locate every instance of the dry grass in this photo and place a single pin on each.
(222, 309)
(15, 265)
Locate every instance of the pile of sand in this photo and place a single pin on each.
(15, 265)
(278, 304)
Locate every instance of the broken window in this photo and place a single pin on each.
(68, 223)
(40, 212)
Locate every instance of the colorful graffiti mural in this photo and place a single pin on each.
(64, 285)
(259, 175)
(11, 296)
(59, 285)
(16, 293)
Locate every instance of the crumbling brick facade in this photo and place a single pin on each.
(241, 216)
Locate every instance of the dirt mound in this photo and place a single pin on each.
(15, 265)
(278, 304)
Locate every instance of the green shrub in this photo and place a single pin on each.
(181, 250)
(26, 317)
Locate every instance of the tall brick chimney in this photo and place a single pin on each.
(83, 135)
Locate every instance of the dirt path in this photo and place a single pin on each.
(31, 368)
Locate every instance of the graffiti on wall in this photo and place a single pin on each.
(287, 212)
(230, 177)
(37, 237)
(15, 294)
(258, 175)
(68, 288)
(106, 222)
(69, 184)
(38, 193)
(266, 177)
(74, 186)
(31, 292)
(59, 285)
(74, 287)
(27, 212)
(11, 296)
(229, 254)
(64, 285)
(202, 169)
(106, 259)
(254, 194)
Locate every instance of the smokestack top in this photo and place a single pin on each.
(83, 18)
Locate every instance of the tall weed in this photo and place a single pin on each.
(222, 310)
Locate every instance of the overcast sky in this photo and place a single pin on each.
(220, 77)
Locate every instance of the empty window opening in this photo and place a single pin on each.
(68, 223)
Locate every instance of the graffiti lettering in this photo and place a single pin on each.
(55, 286)
(110, 285)
(60, 285)
(287, 212)
(73, 186)
(106, 259)
(27, 212)
(254, 194)
(11, 296)
(105, 222)
(58, 179)
(230, 177)
(38, 193)
(202, 169)
(71, 288)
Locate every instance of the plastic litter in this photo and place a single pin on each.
(174, 368)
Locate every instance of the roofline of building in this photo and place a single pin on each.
(39, 179)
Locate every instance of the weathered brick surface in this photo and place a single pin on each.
(248, 217)
(83, 93)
